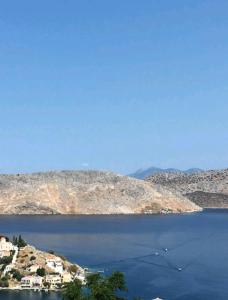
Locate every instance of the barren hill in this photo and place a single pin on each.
(207, 189)
(85, 192)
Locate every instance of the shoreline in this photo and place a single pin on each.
(111, 215)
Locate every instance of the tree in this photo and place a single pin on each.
(97, 287)
(106, 288)
(4, 281)
(74, 291)
(5, 260)
(16, 274)
(15, 240)
(21, 242)
(117, 282)
(41, 272)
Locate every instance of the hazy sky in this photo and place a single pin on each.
(113, 84)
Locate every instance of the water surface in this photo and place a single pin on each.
(197, 245)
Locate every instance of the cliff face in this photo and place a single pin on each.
(207, 189)
(85, 192)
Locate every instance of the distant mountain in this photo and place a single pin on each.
(143, 173)
(86, 192)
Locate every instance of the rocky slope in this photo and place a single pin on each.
(207, 189)
(85, 192)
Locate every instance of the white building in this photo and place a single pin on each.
(37, 281)
(66, 277)
(55, 264)
(53, 280)
(29, 282)
(6, 247)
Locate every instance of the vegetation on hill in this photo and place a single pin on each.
(19, 241)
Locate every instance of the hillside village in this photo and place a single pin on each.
(22, 266)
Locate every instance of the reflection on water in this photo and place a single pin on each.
(173, 257)
(28, 295)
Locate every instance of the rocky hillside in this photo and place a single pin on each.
(207, 189)
(85, 192)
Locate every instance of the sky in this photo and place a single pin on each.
(113, 85)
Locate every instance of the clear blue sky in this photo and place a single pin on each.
(114, 85)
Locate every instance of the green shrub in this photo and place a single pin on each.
(6, 260)
(19, 241)
(41, 272)
(4, 283)
(16, 274)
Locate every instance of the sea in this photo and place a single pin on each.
(173, 257)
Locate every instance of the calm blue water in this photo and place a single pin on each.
(197, 243)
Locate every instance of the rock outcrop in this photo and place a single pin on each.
(207, 189)
(85, 192)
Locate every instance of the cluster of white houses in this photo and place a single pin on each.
(53, 279)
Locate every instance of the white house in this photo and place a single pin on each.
(37, 281)
(29, 282)
(26, 282)
(5, 247)
(53, 280)
(66, 277)
(55, 264)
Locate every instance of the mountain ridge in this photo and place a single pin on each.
(143, 173)
(85, 192)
